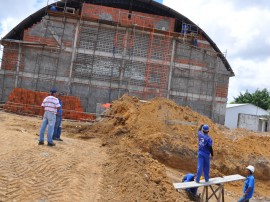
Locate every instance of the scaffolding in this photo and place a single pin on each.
(99, 53)
(107, 50)
(156, 73)
(47, 62)
(11, 66)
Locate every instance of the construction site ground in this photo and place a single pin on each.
(129, 155)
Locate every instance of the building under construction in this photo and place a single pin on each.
(99, 50)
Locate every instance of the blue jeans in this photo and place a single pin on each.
(203, 165)
(243, 199)
(57, 127)
(48, 119)
(193, 191)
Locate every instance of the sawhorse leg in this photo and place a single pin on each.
(220, 197)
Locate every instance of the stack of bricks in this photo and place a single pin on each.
(23, 101)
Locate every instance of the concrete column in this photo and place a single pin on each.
(123, 62)
(214, 90)
(263, 126)
(18, 66)
(73, 55)
(171, 68)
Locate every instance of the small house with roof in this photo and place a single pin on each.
(247, 116)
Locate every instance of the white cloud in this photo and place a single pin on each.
(241, 28)
(8, 24)
(14, 11)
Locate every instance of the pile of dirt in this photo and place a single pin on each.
(132, 154)
(141, 143)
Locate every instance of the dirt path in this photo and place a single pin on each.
(71, 171)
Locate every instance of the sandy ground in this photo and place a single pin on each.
(131, 155)
(71, 171)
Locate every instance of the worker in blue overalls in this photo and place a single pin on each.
(185, 28)
(58, 123)
(248, 189)
(204, 151)
(190, 178)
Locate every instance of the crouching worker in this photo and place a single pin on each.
(190, 178)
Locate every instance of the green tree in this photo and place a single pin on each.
(260, 98)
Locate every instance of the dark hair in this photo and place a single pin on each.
(53, 90)
(250, 172)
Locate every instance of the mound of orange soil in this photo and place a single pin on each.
(142, 127)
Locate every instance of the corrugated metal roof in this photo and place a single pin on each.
(147, 6)
(235, 105)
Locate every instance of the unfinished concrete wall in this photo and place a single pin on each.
(100, 61)
(200, 80)
(257, 123)
(11, 65)
(249, 122)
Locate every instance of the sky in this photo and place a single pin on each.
(240, 28)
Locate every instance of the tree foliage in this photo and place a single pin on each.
(260, 98)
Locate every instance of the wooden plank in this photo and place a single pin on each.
(231, 178)
(212, 181)
(202, 183)
(170, 122)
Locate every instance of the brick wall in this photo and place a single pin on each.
(121, 16)
(222, 91)
(10, 57)
(190, 62)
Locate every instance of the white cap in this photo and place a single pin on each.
(251, 168)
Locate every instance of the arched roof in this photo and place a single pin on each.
(146, 6)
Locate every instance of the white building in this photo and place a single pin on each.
(246, 116)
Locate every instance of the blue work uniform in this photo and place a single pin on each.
(190, 178)
(184, 28)
(195, 42)
(249, 182)
(205, 142)
(58, 122)
(53, 8)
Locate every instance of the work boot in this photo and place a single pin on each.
(40, 143)
(51, 144)
(58, 139)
